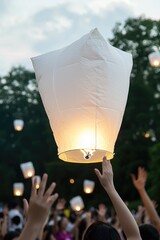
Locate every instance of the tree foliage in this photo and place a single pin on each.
(138, 36)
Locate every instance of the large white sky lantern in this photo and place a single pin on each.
(27, 169)
(84, 89)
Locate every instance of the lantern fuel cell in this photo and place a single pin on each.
(84, 89)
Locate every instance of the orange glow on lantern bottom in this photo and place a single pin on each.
(18, 128)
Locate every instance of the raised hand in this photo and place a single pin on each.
(140, 182)
(40, 202)
(106, 178)
(125, 217)
(61, 204)
(38, 209)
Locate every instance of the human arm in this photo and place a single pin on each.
(139, 184)
(4, 226)
(126, 219)
(39, 206)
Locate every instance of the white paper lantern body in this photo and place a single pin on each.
(18, 189)
(77, 203)
(27, 169)
(38, 180)
(88, 186)
(18, 124)
(154, 59)
(84, 90)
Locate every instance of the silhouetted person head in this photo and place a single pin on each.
(101, 231)
(16, 220)
(148, 232)
(11, 235)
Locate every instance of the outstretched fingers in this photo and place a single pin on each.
(43, 185)
(26, 207)
(51, 199)
(34, 190)
(104, 164)
(133, 177)
(98, 174)
(49, 190)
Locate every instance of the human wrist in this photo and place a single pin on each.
(30, 224)
(141, 190)
(110, 188)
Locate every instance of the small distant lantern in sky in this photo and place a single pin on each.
(18, 124)
(84, 89)
(37, 179)
(154, 59)
(71, 180)
(77, 203)
(27, 169)
(150, 134)
(18, 189)
(88, 186)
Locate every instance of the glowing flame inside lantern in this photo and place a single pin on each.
(77, 208)
(17, 193)
(155, 63)
(88, 190)
(30, 174)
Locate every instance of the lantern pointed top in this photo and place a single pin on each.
(84, 89)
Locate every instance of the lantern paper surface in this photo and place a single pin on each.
(18, 189)
(88, 186)
(27, 169)
(84, 89)
(77, 203)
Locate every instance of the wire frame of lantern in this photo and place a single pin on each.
(27, 169)
(88, 186)
(37, 179)
(18, 124)
(154, 59)
(18, 189)
(84, 89)
(77, 203)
